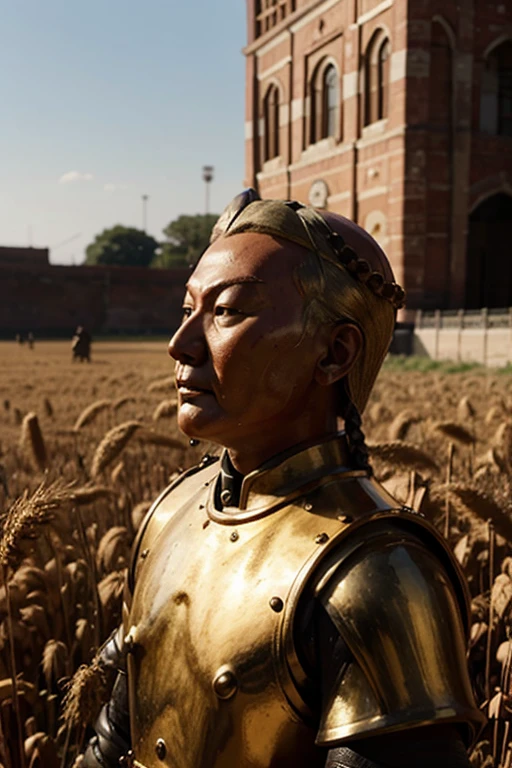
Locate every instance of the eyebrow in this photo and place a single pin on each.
(227, 283)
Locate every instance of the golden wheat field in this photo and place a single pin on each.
(85, 448)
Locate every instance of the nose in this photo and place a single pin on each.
(188, 345)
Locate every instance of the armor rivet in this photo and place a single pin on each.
(225, 684)
(206, 484)
(144, 554)
(225, 497)
(321, 538)
(276, 604)
(201, 506)
(160, 749)
(344, 518)
(308, 507)
(206, 523)
(234, 536)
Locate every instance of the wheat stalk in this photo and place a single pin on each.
(28, 514)
(465, 409)
(498, 436)
(482, 505)
(400, 425)
(122, 401)
(32, 441)
(165, 409)
(89, 414)
(454, 432)
(505, 443)
(12, 661)
(91, 493)
(112, 445)
(402, 454)
(492, 414)
(54, 663)
(86, 694)
(139, 512)
(116, 473)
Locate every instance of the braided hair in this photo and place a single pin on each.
(356, 440)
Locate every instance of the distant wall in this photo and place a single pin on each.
(29, 257)
(480, 336)
(492, 347)
(53, 300)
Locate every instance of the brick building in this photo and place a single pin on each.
(397, 114)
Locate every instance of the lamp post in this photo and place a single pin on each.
(145, 199)
(207, 178)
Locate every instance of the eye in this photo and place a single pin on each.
(221, 311)
(187, 311)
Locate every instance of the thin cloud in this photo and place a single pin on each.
(110, 187)
(72, 176)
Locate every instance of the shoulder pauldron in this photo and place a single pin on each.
(395, 599)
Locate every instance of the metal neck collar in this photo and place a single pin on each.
(278, 481)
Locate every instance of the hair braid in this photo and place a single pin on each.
(356, 439)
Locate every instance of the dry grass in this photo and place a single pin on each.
(69, 515)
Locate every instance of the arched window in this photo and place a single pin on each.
(496, 94)
(376, 71)
(383, 78)
(271, 120)
(330, 101)
(324, 99)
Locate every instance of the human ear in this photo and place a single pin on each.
(344, 344)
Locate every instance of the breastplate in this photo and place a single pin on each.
(213, 673)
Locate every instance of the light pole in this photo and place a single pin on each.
(145, 199)
(207, 178)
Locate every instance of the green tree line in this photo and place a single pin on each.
(186, 238)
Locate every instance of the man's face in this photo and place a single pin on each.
(243, 361)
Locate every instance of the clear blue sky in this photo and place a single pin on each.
(104, 100)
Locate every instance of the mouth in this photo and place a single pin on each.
(189, 389)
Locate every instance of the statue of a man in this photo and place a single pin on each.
(284, 611)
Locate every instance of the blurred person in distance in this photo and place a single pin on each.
(81, 345)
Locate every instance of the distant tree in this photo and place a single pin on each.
(124, 246)
(187, 238)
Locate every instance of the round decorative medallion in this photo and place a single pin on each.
(318, 194)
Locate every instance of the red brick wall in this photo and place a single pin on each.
(56, 299)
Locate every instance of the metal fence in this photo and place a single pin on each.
(483, 335)
(464, 318)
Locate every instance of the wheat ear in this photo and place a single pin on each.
(112, 445)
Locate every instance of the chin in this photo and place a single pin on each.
(198, 424)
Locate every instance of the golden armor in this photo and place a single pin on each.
(216, 678)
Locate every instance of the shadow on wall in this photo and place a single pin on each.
(403, 340)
